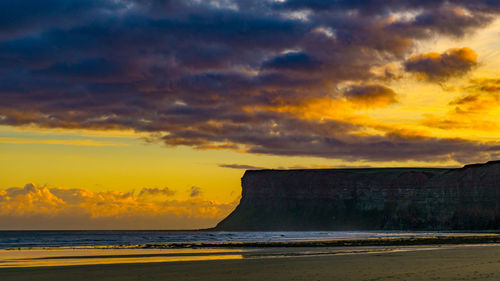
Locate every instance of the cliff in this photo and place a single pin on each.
(465, 198)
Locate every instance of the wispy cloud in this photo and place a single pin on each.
(86, 142)
(241, 167)
(476, 108)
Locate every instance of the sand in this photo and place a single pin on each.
(447, 263)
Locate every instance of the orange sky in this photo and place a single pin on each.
(438, 89)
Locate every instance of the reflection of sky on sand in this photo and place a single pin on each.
(68, 256)
(38, 257)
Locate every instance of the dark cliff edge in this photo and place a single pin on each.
(369, 199)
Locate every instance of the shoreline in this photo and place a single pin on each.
(176, 252)
(386, 241)
(483, 238)
(464, 262)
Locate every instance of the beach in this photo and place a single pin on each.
(446, 262)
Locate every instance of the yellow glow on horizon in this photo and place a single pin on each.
(59, 142)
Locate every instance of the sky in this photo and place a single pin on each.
(144, 114)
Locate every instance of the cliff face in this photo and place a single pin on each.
(467, 198)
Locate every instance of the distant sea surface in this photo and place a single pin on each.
(118, 238)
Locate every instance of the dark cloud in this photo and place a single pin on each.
(241, 167)
(223, 74)
(392, 147)
(485, 85)
(26, 17)
(365, 6)
(371, 95)
(195, 191)
(157, 191)
(438, 67)
(450, 19)
(292, 61)
(465, 100)
(384, 6)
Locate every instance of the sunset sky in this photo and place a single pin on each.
(144, 114)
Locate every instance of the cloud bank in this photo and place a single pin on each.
(232, 74)
(39, 207)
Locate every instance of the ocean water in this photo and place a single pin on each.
(119, 238)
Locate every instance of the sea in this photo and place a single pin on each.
(131, 238)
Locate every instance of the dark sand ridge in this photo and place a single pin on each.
(446, 239)
(480, 262)
(490, 238)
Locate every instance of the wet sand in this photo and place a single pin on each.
(464, 262)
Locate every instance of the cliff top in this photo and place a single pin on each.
(379, 169)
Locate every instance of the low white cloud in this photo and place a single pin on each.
(40, 207)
